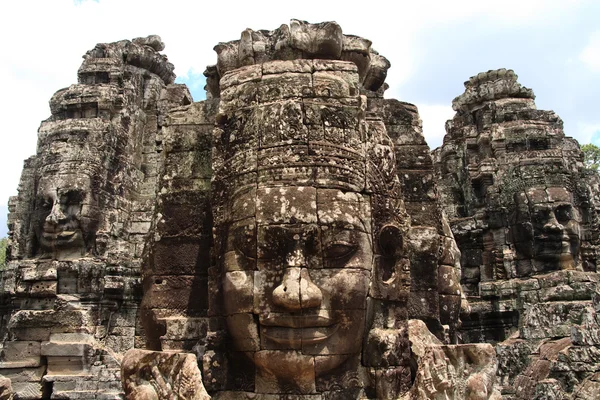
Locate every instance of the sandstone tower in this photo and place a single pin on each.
(524, 212)
(291, 236)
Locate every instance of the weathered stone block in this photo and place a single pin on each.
(24, 374)
(181, 256)
(176, 292)
(65, 365)
(27, 390)
(42, 271)
(20, 354)
(548, 320)
(64, 349)
(43, 289)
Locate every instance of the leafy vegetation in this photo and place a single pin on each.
(591, 156)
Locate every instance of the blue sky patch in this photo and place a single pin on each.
(195, 82)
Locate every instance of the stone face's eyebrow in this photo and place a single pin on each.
(343, 225)
(550, 206)
(332, 226)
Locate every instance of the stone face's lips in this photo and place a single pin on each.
(65, 234)
(306, 335)
(60, 237)
(55, 235)
(297, 321)
(296, 330)
(59, 234)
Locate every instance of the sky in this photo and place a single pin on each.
(433, 46)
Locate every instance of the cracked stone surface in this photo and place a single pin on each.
(292, 236)
(524, 212)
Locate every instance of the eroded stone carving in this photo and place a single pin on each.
(524, 212)
(310, 289)
(285, 231)
(308, 216)
(66, 215)
(514, 183)
(6, 392)
(547, 228)
(301, 40)
(79, 225)
(465, 371)
(149, 375)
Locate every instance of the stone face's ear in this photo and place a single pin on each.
(522, 236)
(391, 267)
(389, 241)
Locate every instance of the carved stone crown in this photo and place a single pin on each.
(305, 125)
(488, 86)
(553, 173)
(299, 40)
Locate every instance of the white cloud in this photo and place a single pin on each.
(590, 55)
(23, 106)
(588, 133)
(434, 117)
(44, 41)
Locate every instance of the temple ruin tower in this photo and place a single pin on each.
(297, 229)
(78, 227)
(283, 237)
(524, 212)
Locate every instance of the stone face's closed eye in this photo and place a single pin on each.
(340, 250)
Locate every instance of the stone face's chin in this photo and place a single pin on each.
(289, 368)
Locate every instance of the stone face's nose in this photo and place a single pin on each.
(552, 225)
(56, 215)
(296, 290)
(310, 294)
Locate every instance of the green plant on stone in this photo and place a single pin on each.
(591, 156)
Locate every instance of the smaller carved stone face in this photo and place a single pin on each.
(548, 228)
(297, 276)
(65, 216)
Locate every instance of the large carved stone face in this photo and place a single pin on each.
(66, 216)
(298, 266)
(549, 229)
